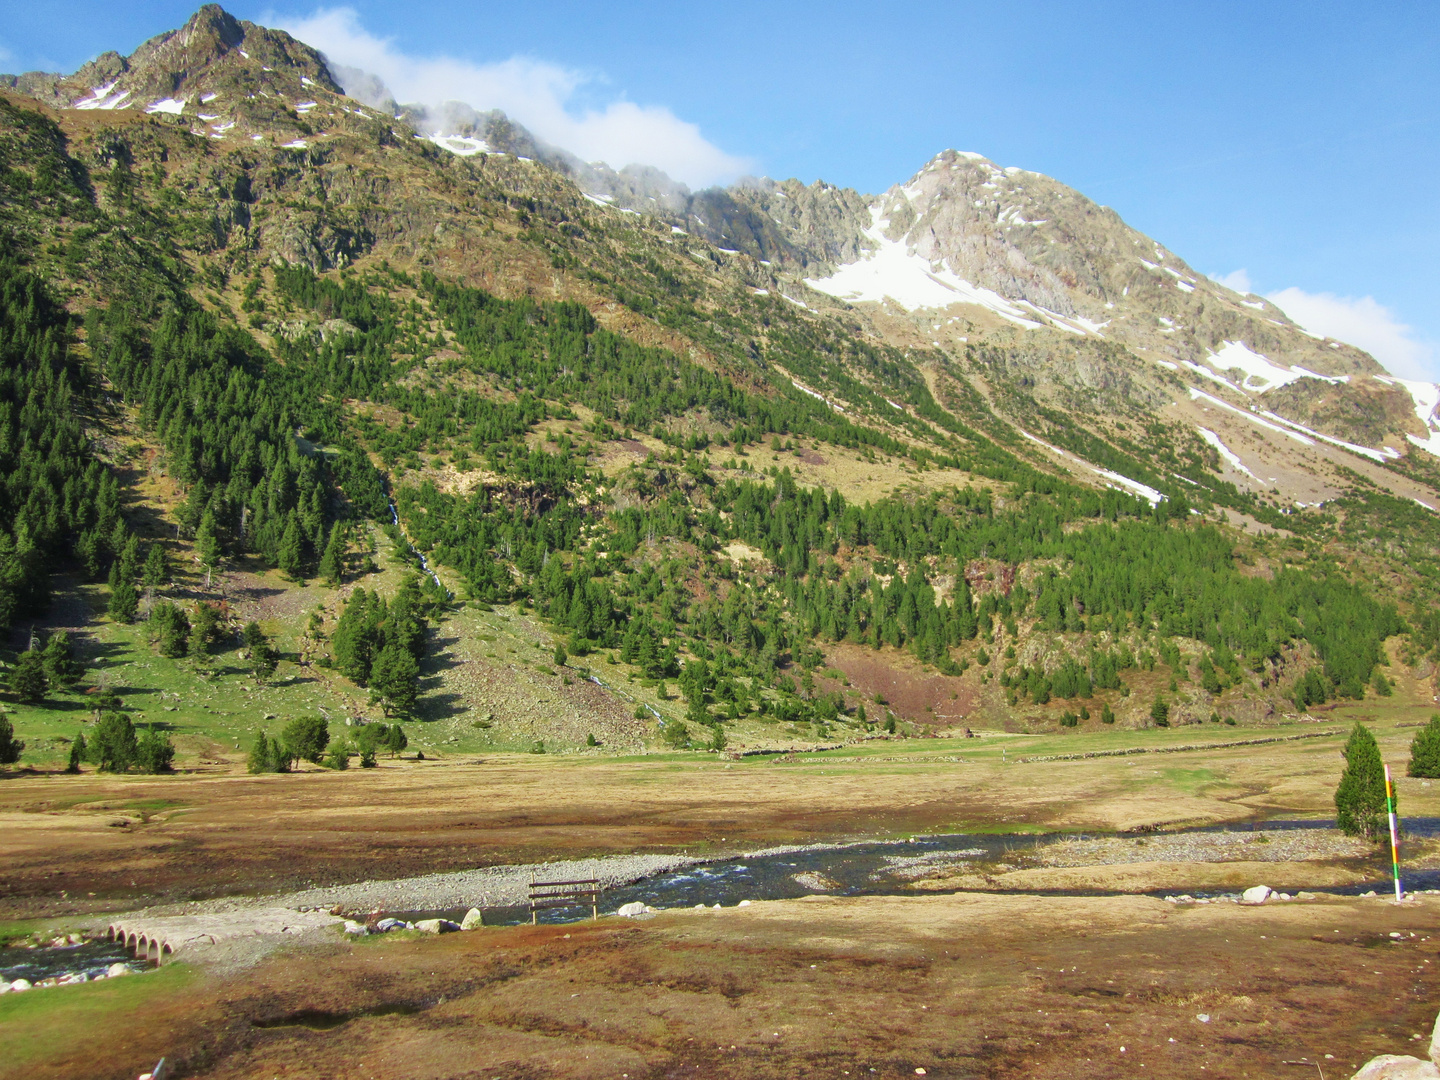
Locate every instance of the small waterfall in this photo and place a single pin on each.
(424, 562)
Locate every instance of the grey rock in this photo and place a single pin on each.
(631, 909)
(1256, 894)
(436, 926)
(1397, 1067)
(473, 919)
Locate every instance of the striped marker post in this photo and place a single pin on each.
(1394, 842)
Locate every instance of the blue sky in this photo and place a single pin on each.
(1298, 142)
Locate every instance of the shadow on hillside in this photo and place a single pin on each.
(432, 707)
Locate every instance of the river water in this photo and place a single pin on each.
(890, 868)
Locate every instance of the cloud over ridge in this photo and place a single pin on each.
(1360, 321)
(536, 93)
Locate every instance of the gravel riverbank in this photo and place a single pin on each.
(488, 887)
(1278, 845)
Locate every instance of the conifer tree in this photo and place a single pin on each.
(332, 562)
(28, 680)
(1360, 798)
(124, 597)
(10, 747)
(154, 752)
(1160, 713)
(395, 740)
(115, 745)
(261, 759)
(1425, 750)
(78, 749)
(263, 658)
(290, 557)
(157, 566)
(61, 667)
(207, 545)
(394, 680)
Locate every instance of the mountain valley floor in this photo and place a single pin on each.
(973, 975)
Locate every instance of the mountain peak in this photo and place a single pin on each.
(210, 53)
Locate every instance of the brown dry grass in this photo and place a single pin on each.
(959, 986)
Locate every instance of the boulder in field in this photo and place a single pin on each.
(472, 919)
(1256, 894)
(1397, 1067)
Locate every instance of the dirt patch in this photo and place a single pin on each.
(911, 691)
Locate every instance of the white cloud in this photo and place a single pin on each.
(537, 94)
(1238, 280)
(1363, 322)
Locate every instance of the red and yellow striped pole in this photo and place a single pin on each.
(1394, 842)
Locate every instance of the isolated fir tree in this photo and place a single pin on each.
(78, 750)
(28, 680)
(10, 747)
(115, 745)
(560, 655)
(1425, 750)
(1360, 798)
(263, 658)
(395, 740)
(1160, 713)
(261, 759)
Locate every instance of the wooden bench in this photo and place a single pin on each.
(563, 894)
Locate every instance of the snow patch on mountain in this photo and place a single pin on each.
(1201, 395)
(1364, 451)
(1257, 368)
(1231, 458)
(1425, 395)
(101, 98)
(461, 145)
(893, 272)
(1116, 480)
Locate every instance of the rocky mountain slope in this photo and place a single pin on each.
(972, 448)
